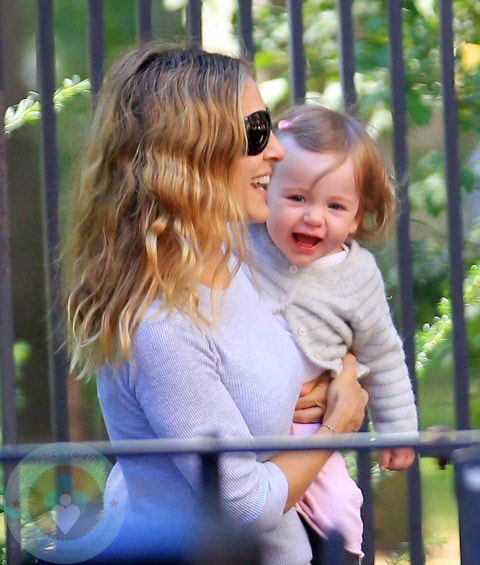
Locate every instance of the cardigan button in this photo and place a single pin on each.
(293, 269)
(302, 331)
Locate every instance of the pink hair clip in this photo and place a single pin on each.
(286, 124)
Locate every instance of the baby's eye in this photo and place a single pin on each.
(336, 206)
(297, 198)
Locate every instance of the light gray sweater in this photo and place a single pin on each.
(337, 309)
(239, 380)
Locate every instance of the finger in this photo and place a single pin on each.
(348, 361)
(401, 459)
(309, 415)
(312, 400)
(397, 464)
(348, 367)
(307, 388)
(317, 397)
(401, 463)
(385, 459)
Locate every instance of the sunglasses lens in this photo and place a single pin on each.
(258, 127)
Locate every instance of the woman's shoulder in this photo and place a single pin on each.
(162, 323)
(158, 325)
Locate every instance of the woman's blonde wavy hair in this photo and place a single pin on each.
(155, 193)
(321, 130)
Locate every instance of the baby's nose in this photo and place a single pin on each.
(314, 216)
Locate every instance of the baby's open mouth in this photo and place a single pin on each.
(305, 240)
(261, 182)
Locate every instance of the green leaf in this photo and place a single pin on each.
(417, 109)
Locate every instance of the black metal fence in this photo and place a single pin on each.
(142, 11)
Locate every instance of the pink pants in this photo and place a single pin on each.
(333, 500)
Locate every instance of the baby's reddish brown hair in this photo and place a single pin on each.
(321, 130)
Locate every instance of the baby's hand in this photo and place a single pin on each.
(308, 387)
(312, 402)
(396, 459)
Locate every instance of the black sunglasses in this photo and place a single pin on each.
(258, 127)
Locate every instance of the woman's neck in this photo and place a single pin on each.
(211, 276)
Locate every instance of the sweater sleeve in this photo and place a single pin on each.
(176, 378)
(376, 343)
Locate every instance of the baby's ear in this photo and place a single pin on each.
(355, 224)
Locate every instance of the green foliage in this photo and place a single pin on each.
(420, 23)
(376, 475)
(423, 98)
(28, 110)
(425, 142)
(433, 337)
(401, 556)
(434, 340)
(435, 360)
(21, 355)
(427, 189)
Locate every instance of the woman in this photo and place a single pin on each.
(177, 164)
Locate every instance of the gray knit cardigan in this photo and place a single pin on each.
(337, 309)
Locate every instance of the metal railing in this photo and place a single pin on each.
(460, 447)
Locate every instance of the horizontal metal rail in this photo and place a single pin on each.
(426, 443)
(460, 447)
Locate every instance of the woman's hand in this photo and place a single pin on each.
(344, 412)
(346, 399)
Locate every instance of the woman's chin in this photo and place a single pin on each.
(259, 215)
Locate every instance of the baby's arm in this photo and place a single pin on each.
(378, 345)
(311, 409)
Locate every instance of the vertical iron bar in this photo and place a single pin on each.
(144, 21)
(455, 232)
(397, 94)
(7, 365)
(347, 70)
(333, 550)
(211, 485)
(57, 356)
(364, 475)
(296, 52)
(95, 46)
(415, 529)
(245, 27)
(404, 252)
(467, 466)
(346, 54)
(194, 23)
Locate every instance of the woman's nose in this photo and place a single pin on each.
(274, 150)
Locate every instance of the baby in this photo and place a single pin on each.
(327, 290)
